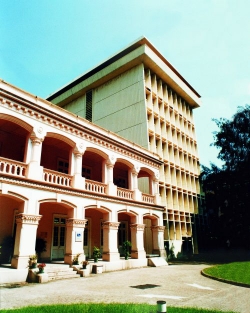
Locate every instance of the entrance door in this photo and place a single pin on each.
(59, 229)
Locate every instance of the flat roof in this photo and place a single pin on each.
(138, 43)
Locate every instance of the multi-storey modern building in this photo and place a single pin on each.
(139, 95)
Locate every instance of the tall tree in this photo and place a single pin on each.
(228, 189)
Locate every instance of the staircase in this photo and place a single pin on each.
(60, 271)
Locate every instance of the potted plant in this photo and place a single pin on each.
(126, 248)
(41, 268)
(33, 261)
(84, 264)
(75, 260)
(96, 254)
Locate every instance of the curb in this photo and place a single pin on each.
(225, 280)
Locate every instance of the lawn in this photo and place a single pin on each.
(105, 308)
(238, 272)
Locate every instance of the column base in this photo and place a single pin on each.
(162, 252)
(78, 182)
(138, 254)
(110, 256)
(111, 189)
(20, 262)
(35, 171)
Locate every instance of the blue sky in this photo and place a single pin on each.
(47, 43)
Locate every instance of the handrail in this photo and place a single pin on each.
(124, 193)
(148, 198)
(95, 186)
(57, 178)
(12, 167)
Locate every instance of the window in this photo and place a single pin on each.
(120, 182)
(63, 166)
(89, 105)
(86, 172)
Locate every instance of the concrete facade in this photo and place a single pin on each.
(139, 95)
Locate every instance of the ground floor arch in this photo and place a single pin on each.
(10, 207)
(52, 230)
(153, 235)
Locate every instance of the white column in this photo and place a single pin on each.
(25, 241)
(137, 195)
(110, 250)
(158, 240)
(35, 171)
(74, 239)
(137, 240)
(78, 180)
(155, 188)
(111, 187)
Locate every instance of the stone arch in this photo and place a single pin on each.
(17, 132)
(122, 173)
(93, 164)
(93, 236)
(11, 205)
(60, 149)
(52, 227)
(145, 177)
(15, 120)
(149, 220)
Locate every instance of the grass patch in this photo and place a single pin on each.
(236, 272)
(104, 308)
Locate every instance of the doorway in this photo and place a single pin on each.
(59, 233)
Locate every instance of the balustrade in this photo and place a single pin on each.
(147, 198)
(124, 193)
(15, 168)
(94, 186)
(12, 167)
(57, 178)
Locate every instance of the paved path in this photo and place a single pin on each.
(178, 285)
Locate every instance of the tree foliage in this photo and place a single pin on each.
(227, 189)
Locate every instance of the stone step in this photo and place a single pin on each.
(60, 271)
(157, 261)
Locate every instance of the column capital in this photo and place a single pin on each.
(74, 222)
(137, 226)
(38, 133)
(111, 160)
(158, 228)
(156, 176)
(36, 140)
(136, 169)
(79, 148)
(110, 225)
(32, 219)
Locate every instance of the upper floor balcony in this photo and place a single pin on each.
(54, 159)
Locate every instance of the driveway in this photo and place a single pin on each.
(179, 285)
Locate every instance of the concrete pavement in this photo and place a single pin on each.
(179, 285)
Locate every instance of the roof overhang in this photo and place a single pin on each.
(140, 52)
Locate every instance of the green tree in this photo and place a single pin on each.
(227, 189)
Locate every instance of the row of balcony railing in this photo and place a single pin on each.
(19, 169)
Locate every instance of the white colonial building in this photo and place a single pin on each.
(58, 183)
